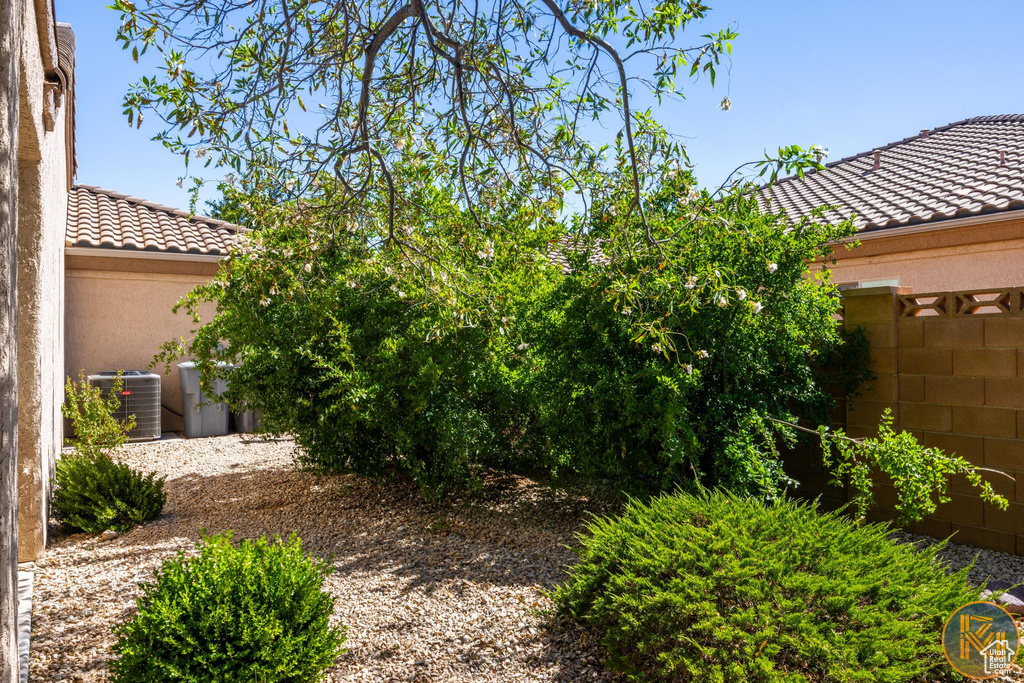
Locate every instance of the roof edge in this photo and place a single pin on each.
(991, 118)
(215, 222)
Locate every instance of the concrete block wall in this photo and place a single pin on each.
(950, 367)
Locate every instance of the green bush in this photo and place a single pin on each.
(92, 492)
(714, 587)
(337, 341)
(245, 613)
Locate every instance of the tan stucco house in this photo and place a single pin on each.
(37, 164)
(127, 262)
(942, 210)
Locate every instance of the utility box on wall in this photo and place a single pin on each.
(201, 418)
(140, 396)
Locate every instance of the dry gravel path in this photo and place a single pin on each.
(429, 592)
(449, 592)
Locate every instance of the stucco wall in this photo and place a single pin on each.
(117, 316)
(42, 217)
(969, 257)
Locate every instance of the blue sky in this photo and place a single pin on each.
(847, 75)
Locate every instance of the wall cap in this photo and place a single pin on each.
(874, 291)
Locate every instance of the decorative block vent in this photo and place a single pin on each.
(140, 396)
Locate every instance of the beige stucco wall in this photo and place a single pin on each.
(118, 313)
(42, 216)
(964, 258)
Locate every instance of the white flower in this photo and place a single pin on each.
(180, 182)
(400, 143)
(289, 184)
(656, 348)
(758, 306)
(702, 354)
(722, 301)
(820, 153)
(522, 347)
(688, 368)
(627, 311)
(351, 284)
(741, 294)
(672, 174)
(200, 152)
(308, 268)
(693, 195)
(691, 282)
(487, 252)
(401, 294)
(725, 104)
(772, 267)
(264, 301)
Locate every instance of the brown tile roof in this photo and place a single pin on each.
(967, 168)
(106, 219)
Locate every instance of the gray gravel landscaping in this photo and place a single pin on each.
(429, 592)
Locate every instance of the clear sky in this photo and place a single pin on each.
(848, 75)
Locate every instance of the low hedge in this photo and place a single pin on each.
(713, 587)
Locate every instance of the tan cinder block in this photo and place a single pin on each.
(984, 421)
(911, 387)
(882, 361)
(962, 510)
(984, 538)
(963, 391)
(985, 362)
(1010, 520)
(874, 308)
(879, 335)
(1004, 454)
(929, 526)
(972, 448)
(925, 361)
(1004, 392)
(910, 332)
(954, 333)
(882, 389)
(926, 417)
(1004, 331)
(1004, 486)
(865, 413)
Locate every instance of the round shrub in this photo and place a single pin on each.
(93, 493)
(714, 587)
(251, 612)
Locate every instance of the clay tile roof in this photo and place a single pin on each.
(967, 168)
(106, 219)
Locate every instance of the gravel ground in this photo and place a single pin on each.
(449, 592)
(429, 592)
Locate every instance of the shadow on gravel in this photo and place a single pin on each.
(491, 552)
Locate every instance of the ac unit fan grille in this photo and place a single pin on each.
(140, 396)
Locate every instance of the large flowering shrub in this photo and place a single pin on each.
(374, 365)
(682, 348)
(661, 364)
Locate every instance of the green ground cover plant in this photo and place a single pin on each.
(92, 492)
(717, 587)
(254, 611)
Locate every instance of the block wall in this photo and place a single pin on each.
(950, 367)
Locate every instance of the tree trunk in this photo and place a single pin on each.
(10, 50)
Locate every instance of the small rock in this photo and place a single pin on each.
(1010, 598)
(109, 535)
